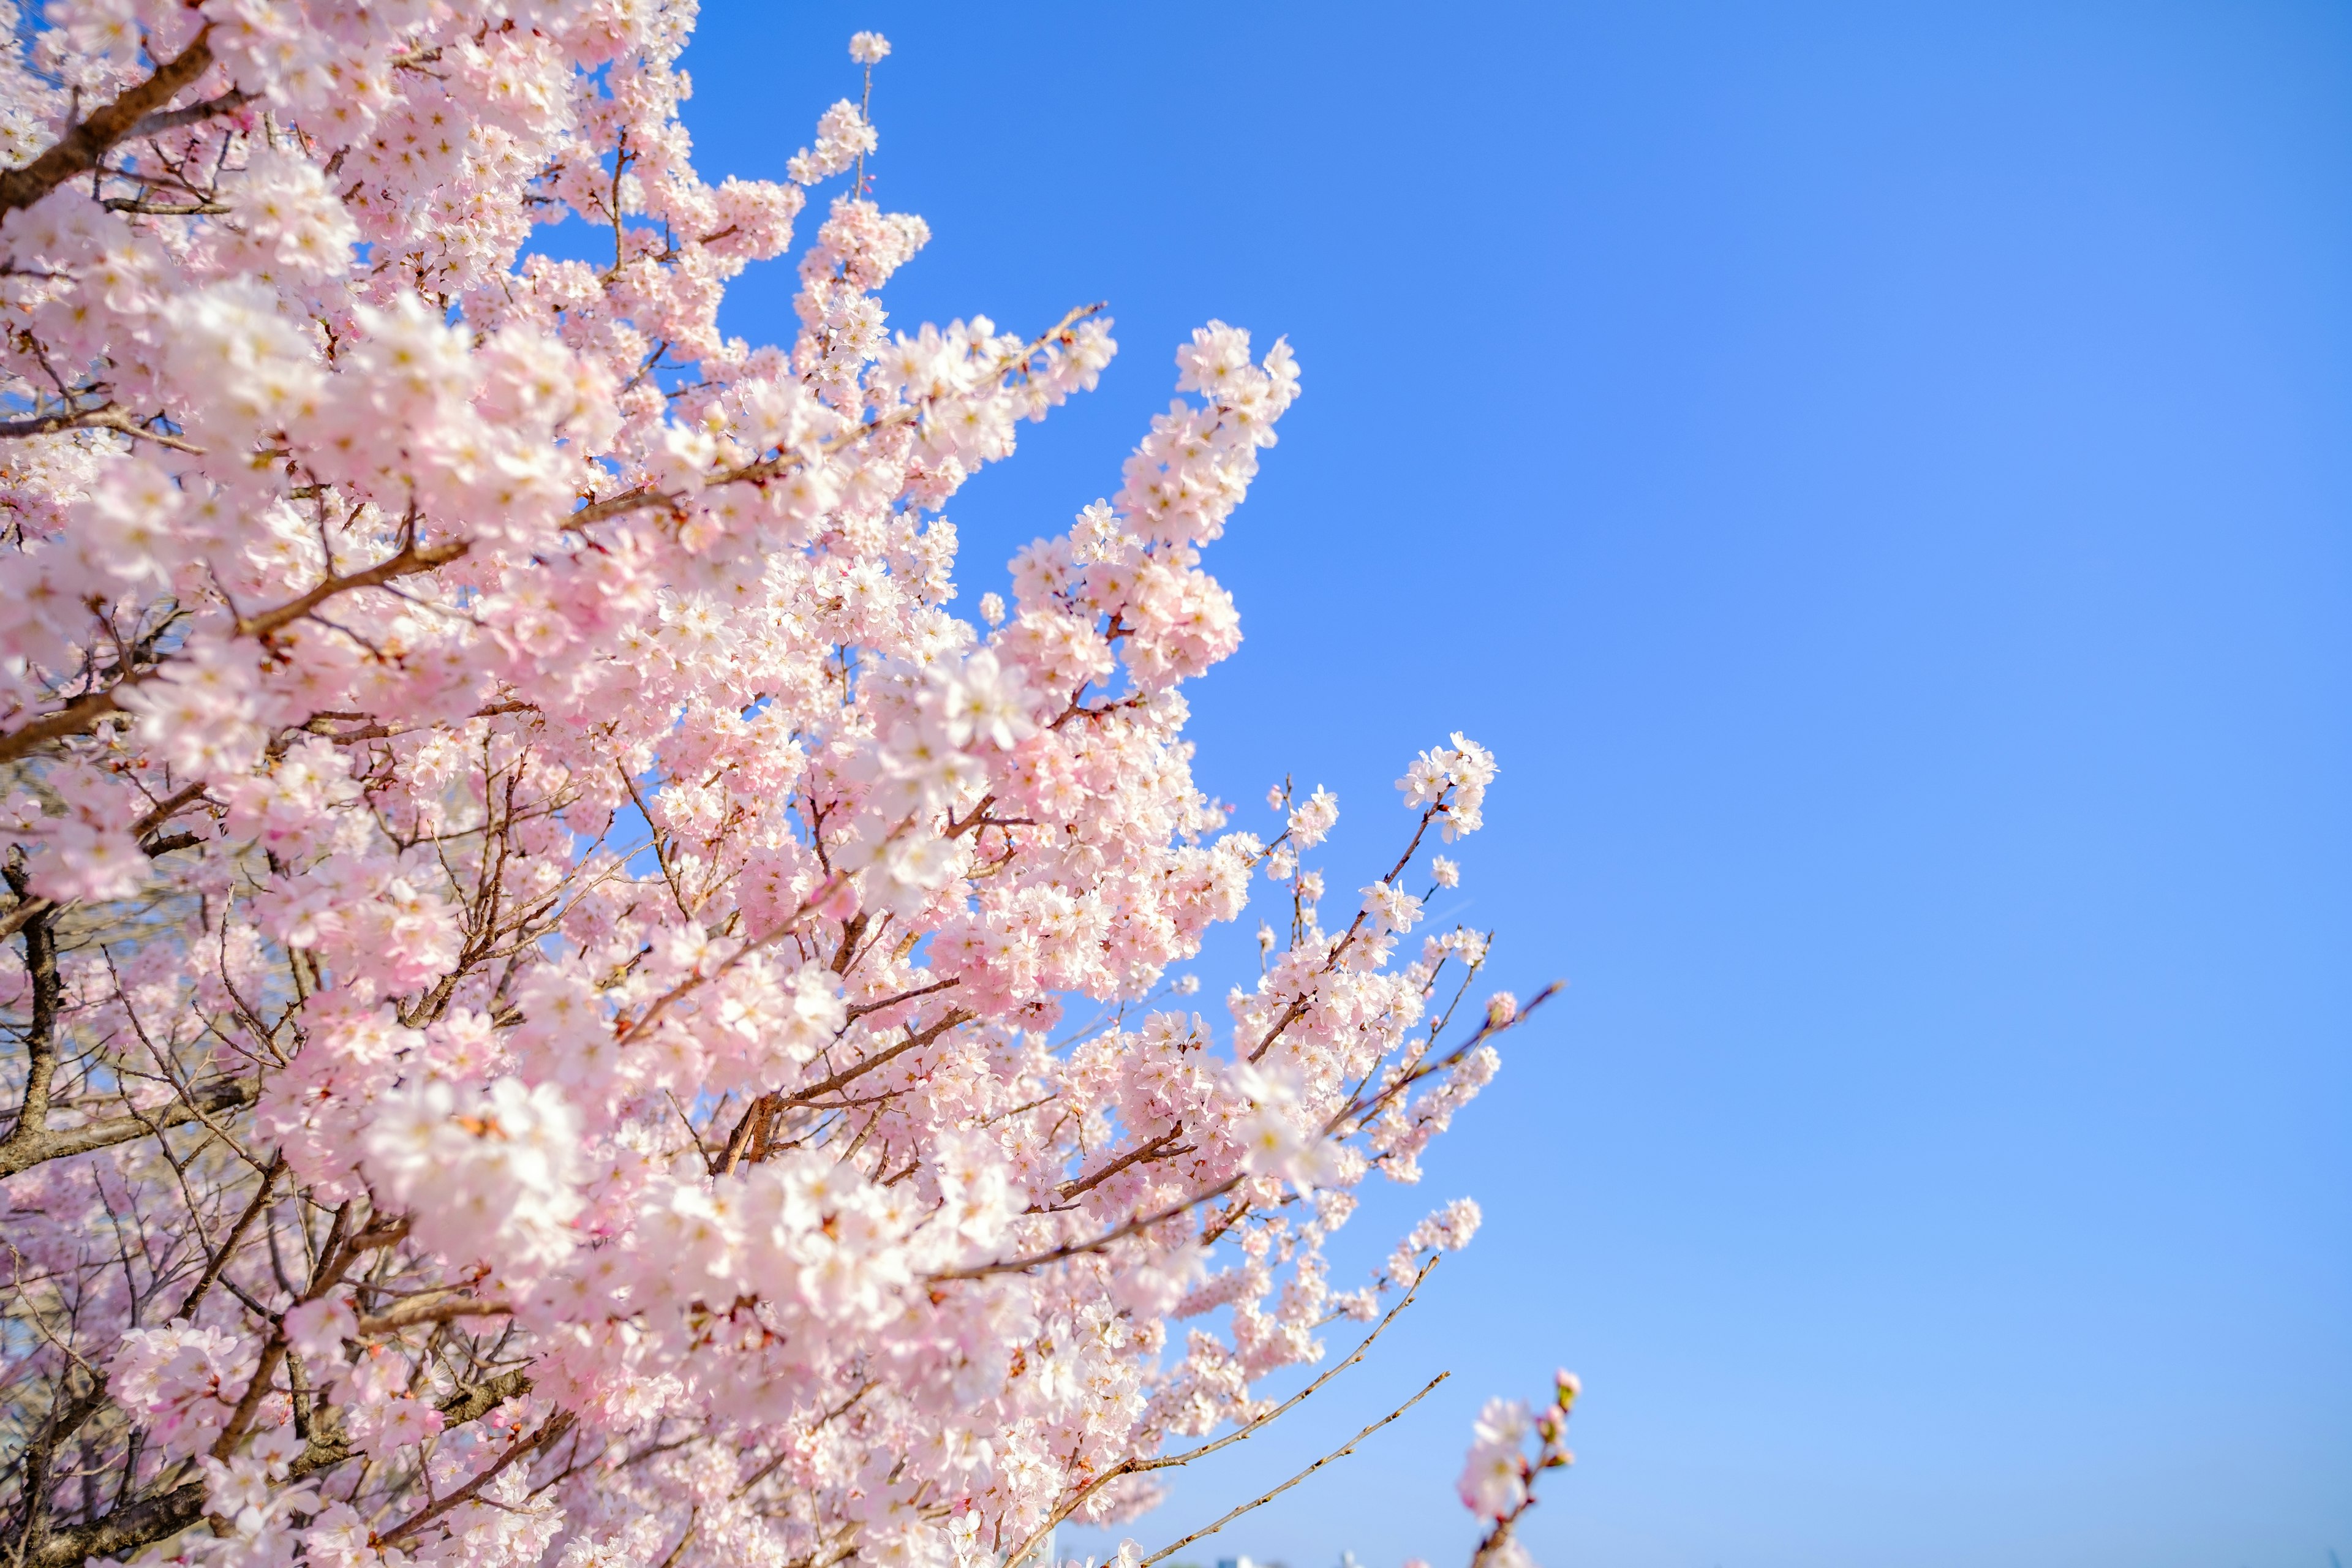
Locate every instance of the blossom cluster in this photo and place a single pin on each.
(1498, 1475)
(563, 1008)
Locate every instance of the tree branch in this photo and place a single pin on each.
(41, 1034)
(20, 1153)
(67, 1411)
(556, 1427)
(1134, 1156)
(228, 102)
(82, 714)
(819, 1090)
(107, 417)
(134, 1525)
(783, 463)
(78, 717)
(82, 147)
(29, 905)
(425, 1309)
(407, 563)
(220, 1258)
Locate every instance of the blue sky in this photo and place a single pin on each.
(1881, 479)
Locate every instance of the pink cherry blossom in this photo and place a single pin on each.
(1498, 1475)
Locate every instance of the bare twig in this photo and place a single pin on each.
(1341, 1452)
(1239, 1433)
(221, 1255)
(1080, 1248)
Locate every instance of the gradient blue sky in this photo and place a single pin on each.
(1881, 479)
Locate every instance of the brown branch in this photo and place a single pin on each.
(1552, 1426)
(68, 1412)
(20, 1153)
(83, 713)
(636, 1030)
(851, 1015)
(473, 1403)
(27, 908)
(645, 496)
(407, 563)
(555, 1426)
(83, 146)
(30, 905)
(1301, 1003)
(1500, 1537)
(827, 1419)
(1357, 1110)
(164, 810)
(107, 417)
(379, 1232)
(849, 1074)
(228, 1243)
(738, 1143)
(228, 102)
(1245, 1431)
(1135, 1156)
(425, 1309)
(265, 1373)
(151, 209)
(41, 1034)
(693, 1523)
(1075, 710)
(750, 1130)
(123, 1531)
(851, 930)
(137, 1524)
(78, 717)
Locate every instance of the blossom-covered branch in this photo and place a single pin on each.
(538, 940)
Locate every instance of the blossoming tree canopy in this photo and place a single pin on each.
(563, 1006)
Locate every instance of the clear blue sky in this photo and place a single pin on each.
(1881, 479)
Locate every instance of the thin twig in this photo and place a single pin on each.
(1239, 1433)
(1341, 1452)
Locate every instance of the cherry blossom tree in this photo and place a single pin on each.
(562, 1007)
